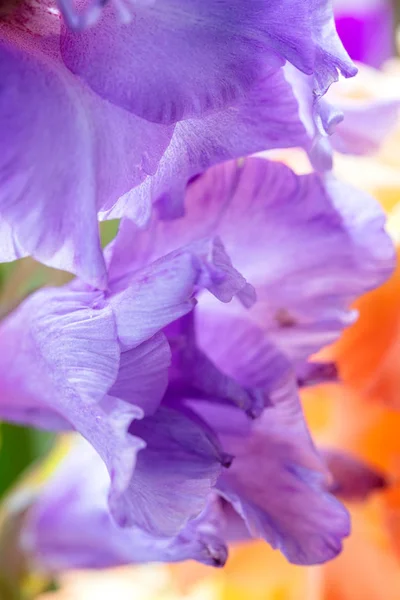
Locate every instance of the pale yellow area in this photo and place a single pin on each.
(141, 583)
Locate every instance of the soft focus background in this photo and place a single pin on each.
(362, 414)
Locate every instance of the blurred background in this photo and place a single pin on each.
(360, 414)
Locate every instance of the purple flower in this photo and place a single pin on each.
(226, 419)
(91, 119)
(366, 29)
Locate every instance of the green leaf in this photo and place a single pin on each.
(108, 231)
(20, 447)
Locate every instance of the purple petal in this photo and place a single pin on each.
(59, 346)
(352, 127)
(51, 213)
(205, 534)
(216, 51)
(313, 229)
(173, 474)
(282, 232)
(241, 349)
(127, 150)
(194, 375)
(277, 484)
(267, 118)
(10, 249)
(61, 359)
(44, 206)
(162, 292)
(329, 58)
(236, 529)
(352, 478)
(143, 374)
(318, 116)
(365, 126)
(213, 56)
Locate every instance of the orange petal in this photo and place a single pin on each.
(366, 353)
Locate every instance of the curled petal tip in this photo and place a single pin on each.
(352, 478)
